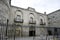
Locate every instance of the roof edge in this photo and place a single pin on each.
(53, 12)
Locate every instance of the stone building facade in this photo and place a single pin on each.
(54, 21)
(26, 22)
(54, 18)
(4, 10)
(28, 18)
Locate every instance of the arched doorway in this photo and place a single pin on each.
(32, 31)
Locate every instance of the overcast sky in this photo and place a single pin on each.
(39, 5)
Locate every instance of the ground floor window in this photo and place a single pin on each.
(55, 31)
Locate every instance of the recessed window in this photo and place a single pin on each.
(17, 32)
(55, 31)
(53, 16)
(41, 21)
(32, 31)
(31, 18)
(49, 32)
(18, 17)
(48, 18)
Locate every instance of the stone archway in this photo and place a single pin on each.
(32, 28)
(19, 12)
(32, 31)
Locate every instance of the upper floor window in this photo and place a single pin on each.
(49, 18)
(53, 16)
(31, 19)
(18, 17)
(41, 21)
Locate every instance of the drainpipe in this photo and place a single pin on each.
(7, 29)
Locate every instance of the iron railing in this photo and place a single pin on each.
(32, 22)
(18, 21)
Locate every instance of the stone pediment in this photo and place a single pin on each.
(31, 9)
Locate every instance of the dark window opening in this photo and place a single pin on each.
(53, 16)
(31, 33)
(18, 16)
(31, 18)
(41, 20)
(49, 18)
(55, 31)
(49, 32)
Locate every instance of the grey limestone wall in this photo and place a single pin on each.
(4, 11)
(54, 19)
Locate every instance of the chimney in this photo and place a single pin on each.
(45, 13)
